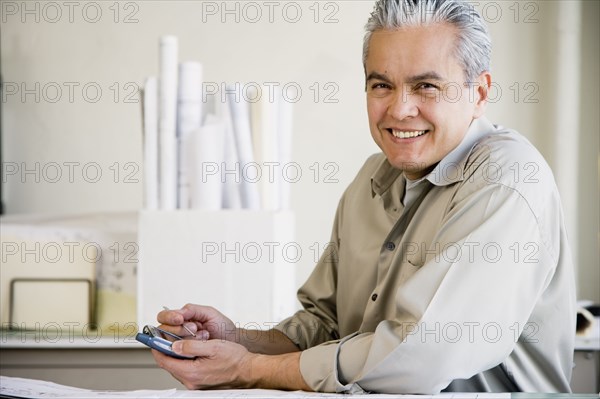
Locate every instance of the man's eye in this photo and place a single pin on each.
(426, 86)
(376, 86)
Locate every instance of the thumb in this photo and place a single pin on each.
(192, 347)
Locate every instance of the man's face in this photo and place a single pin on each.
(418, 104)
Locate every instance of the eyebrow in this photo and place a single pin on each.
(377, 76)
(430, 75)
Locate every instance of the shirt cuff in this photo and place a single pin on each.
(319, 368)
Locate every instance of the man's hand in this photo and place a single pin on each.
(205, 321)
(222, 364)
(219, 364)
(208, 323)
(226, 356)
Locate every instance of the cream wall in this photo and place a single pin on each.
(83, 137)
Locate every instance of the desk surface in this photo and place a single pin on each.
(27, 388)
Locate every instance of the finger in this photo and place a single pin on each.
(164, 361)
(200, 313)
(178, 368)
(190, 312)
(187, 329)
(202, 335)
(183, 370)
(197, 348)
(190, 329)
(171, 317)
(176, 330)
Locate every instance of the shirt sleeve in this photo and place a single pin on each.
(468, 303)
(317, 322)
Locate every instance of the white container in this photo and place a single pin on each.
(240, 262)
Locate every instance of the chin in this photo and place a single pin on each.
(413, 167)
(402, 162)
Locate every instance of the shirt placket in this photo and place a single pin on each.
(388, 258)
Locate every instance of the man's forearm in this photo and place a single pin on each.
(277, 372)
(269, 342)
(276, 360)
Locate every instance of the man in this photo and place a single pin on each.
(452, 270)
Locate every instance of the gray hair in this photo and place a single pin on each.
(474, 45)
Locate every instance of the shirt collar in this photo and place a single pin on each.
(385, 175)
(449, 170)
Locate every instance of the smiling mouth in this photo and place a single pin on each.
(406, 134)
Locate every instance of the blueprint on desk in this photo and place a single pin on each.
(13, 387)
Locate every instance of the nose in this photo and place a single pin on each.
(403, 105)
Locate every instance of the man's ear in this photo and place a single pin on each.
(482, 88)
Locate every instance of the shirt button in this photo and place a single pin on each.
(390, 246)
(374, 297)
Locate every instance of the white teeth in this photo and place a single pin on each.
(405, 135)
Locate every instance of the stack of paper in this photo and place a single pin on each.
(212, 146)
(26, 388)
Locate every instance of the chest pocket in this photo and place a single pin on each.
(418, 242)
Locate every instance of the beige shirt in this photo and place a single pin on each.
(468, 288)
